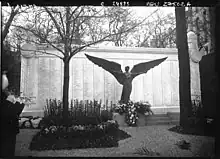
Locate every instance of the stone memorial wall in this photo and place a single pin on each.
(42, 77)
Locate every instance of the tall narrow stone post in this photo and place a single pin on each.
(29, 78)
(195, 56)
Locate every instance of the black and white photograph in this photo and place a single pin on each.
(108, 80)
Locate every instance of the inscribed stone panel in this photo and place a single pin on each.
(108, 87)
(31, 74)
(148, 87)
(44, 81)
(166, 83)
(57, 78)
(55, 84)
(34, 82)
(71, 80)
(23, 75)
(78, 78)
(157, 86)
(88, 80)
(174, 70)
(98, 83)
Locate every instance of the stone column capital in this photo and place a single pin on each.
(28, 50)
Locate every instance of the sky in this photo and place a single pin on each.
(145, 11)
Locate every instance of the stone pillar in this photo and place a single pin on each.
(29, 79)
(194, 56)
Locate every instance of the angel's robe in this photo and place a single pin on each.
(127, 87)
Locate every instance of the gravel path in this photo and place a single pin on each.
(157, 139)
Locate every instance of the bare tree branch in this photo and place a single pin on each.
(44, 52)
(104, 38)
(88, 17)
(74, 11)
(61, 18)
(73, 26)
(55, 22)
(48, 53)
(39, 36)
(14, 12)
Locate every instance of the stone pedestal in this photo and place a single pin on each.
(120, 119)
(141, 120)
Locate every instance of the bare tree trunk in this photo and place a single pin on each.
(214, 11)
(212, 27)
(197, 29)
(184, 67)
(205, 23)
(66, 61)
(66, 90)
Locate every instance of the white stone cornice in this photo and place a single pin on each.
(134, 50)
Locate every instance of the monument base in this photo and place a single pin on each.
(141, 120)
(165, 109)
(120, 119)
(34, 113)
(122, 123)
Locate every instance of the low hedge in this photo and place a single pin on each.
(106, 134)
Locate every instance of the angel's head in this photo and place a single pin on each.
(126, 68)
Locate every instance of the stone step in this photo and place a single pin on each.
(161, 119)
(153, 118)
(145, 120)
(173, 115)
(171, 122)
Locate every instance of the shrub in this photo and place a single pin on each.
(80, 113)
(106, 115)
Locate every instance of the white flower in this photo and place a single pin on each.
(101, 126)
(53, 129)
(46, 130)
(80, 127)
(111, 121)
(75, 127)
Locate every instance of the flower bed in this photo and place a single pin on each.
(105, 134)
(87, 126)
(132, 113)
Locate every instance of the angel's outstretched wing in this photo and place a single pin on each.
(145, 66)
(110, 66)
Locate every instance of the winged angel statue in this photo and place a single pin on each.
(125, 78)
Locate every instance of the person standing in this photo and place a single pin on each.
(10, 110)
